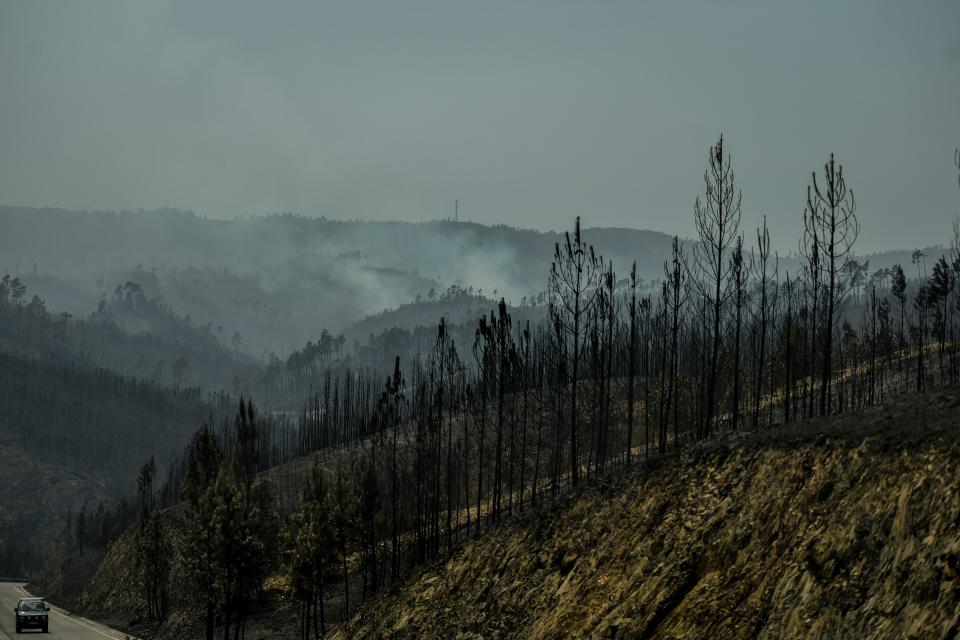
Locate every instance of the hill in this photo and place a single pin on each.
(278, 280)
(129, 333)
(843, 528)
(72, 435)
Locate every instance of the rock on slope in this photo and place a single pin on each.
(847, 527)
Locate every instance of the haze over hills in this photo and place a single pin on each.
(279, 280)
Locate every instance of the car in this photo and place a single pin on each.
(32, 613)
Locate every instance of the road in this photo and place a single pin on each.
(62, 624)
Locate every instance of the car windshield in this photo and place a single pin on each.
(32, 605)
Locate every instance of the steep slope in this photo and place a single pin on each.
(72, 435)
(843, 528)
(36, 492)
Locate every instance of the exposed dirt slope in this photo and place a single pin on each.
(844, 528)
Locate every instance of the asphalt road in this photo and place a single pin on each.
(62, 625)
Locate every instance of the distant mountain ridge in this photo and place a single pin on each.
(278, 279)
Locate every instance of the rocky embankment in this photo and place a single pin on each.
(847, 527)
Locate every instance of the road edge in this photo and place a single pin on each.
(92, 625)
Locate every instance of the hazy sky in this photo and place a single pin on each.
(529, 112)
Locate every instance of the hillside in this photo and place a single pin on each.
(131, 334)
(842, 528)
(277, 280)
(36, 492)
(73, 436)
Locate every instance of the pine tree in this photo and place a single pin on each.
(941, 287)
(204, 462)
(311, 550)
(832, 222)
(153, 551)
(344, 510)
(574, 280)
(759, 266)
(717, 218)
(898, 287)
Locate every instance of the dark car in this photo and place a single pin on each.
(32, 613)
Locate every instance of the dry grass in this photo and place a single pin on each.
(845, 527)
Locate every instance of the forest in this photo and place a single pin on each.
(521, 408)
(459, 320)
